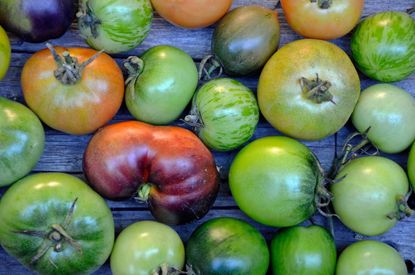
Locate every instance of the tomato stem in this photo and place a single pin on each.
(87, 19)
(403, 209)
(316, 90)
(208, 66)
(144, 192)
(135, 67)
(323, 4)
(164, 269)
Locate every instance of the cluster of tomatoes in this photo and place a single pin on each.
(55, 223)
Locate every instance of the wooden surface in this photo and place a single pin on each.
(63, 152)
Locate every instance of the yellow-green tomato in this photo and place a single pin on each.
(145, 246)
(5, 53)
(370, 258)
(389, 111)
(411, 166)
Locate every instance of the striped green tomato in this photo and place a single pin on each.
(383, 46)
(115, 25)
(225, 114)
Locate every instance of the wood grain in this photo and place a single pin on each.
(63, 153)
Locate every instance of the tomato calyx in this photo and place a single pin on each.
(54, 238)
(69, 71)
(323, 4)
(164, 269)
(87, 19)
(194, 118)
(144, 192)
(207, 68)
(403, 210)
(135, 67)
(316, 90)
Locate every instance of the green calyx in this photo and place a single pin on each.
(403, 210)
(323, 4)
(87, 19)
(135, 67)
(165, 269)
(144, 192)
(316, 90)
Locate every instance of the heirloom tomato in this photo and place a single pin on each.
(5, 53)
(74, 90)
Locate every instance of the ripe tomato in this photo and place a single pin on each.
(5, 53)
(370, 257)
(192, 14)
(78, 100)
(322, 19)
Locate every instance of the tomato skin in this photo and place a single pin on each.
(411, 166)
(303, 251)
(245, 39)
(368, 193)
(76, 109)
(370, 257)
(383, 46)
(292, 111)
(227, 246)
(22, 141)
(327, 24)
(165, 86)
(5, 53)
(389, 112)
(192, 14)
(274, 180)
(40, 201)
(144, 246)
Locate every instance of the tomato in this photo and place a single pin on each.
(389, 111)
(303, 251)
(275, 181)
(168, 166)
(192, 14)
(245, 39)
(370, 257)
(383, 46)
(77, 100)
(161, 84)
(22, 141)
(330, 19)
(54, 223)
(308, 89)
(227, 246)
(144, 246)
(370, 195)
(115, 25)
(411, 166)
(224, 113)
(5, 53)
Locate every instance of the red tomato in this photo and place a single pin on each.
(192, 14)
(76, 100)
(322, 19)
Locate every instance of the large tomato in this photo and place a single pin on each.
(115, 25)
(276, 181)
(370, 257)
(192, 14)
(389, 111)
(227, 246)
(167, 166)
(55, 223)
(411, 166)
(308, 89)
(369, 196)
(161, 84)
(68, 93)
(322, 19)
(303, 251)
(145, 247)
(383, 46)
(5, 53)
(22, 140)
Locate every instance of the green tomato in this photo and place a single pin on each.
(369, 194)
(22, 141)
(5, 53)
(161, 84)
(370, 258)
(55, 223)
(274, 181)
(143, 247)
(389, 111)
(227, 246)
(411, 166)
(225, 114)
(383, 46)
(115, 25)
(308, 89)
(303, 251)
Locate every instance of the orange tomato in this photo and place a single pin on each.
(322, 19)
(192, 14)
(77, 100)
